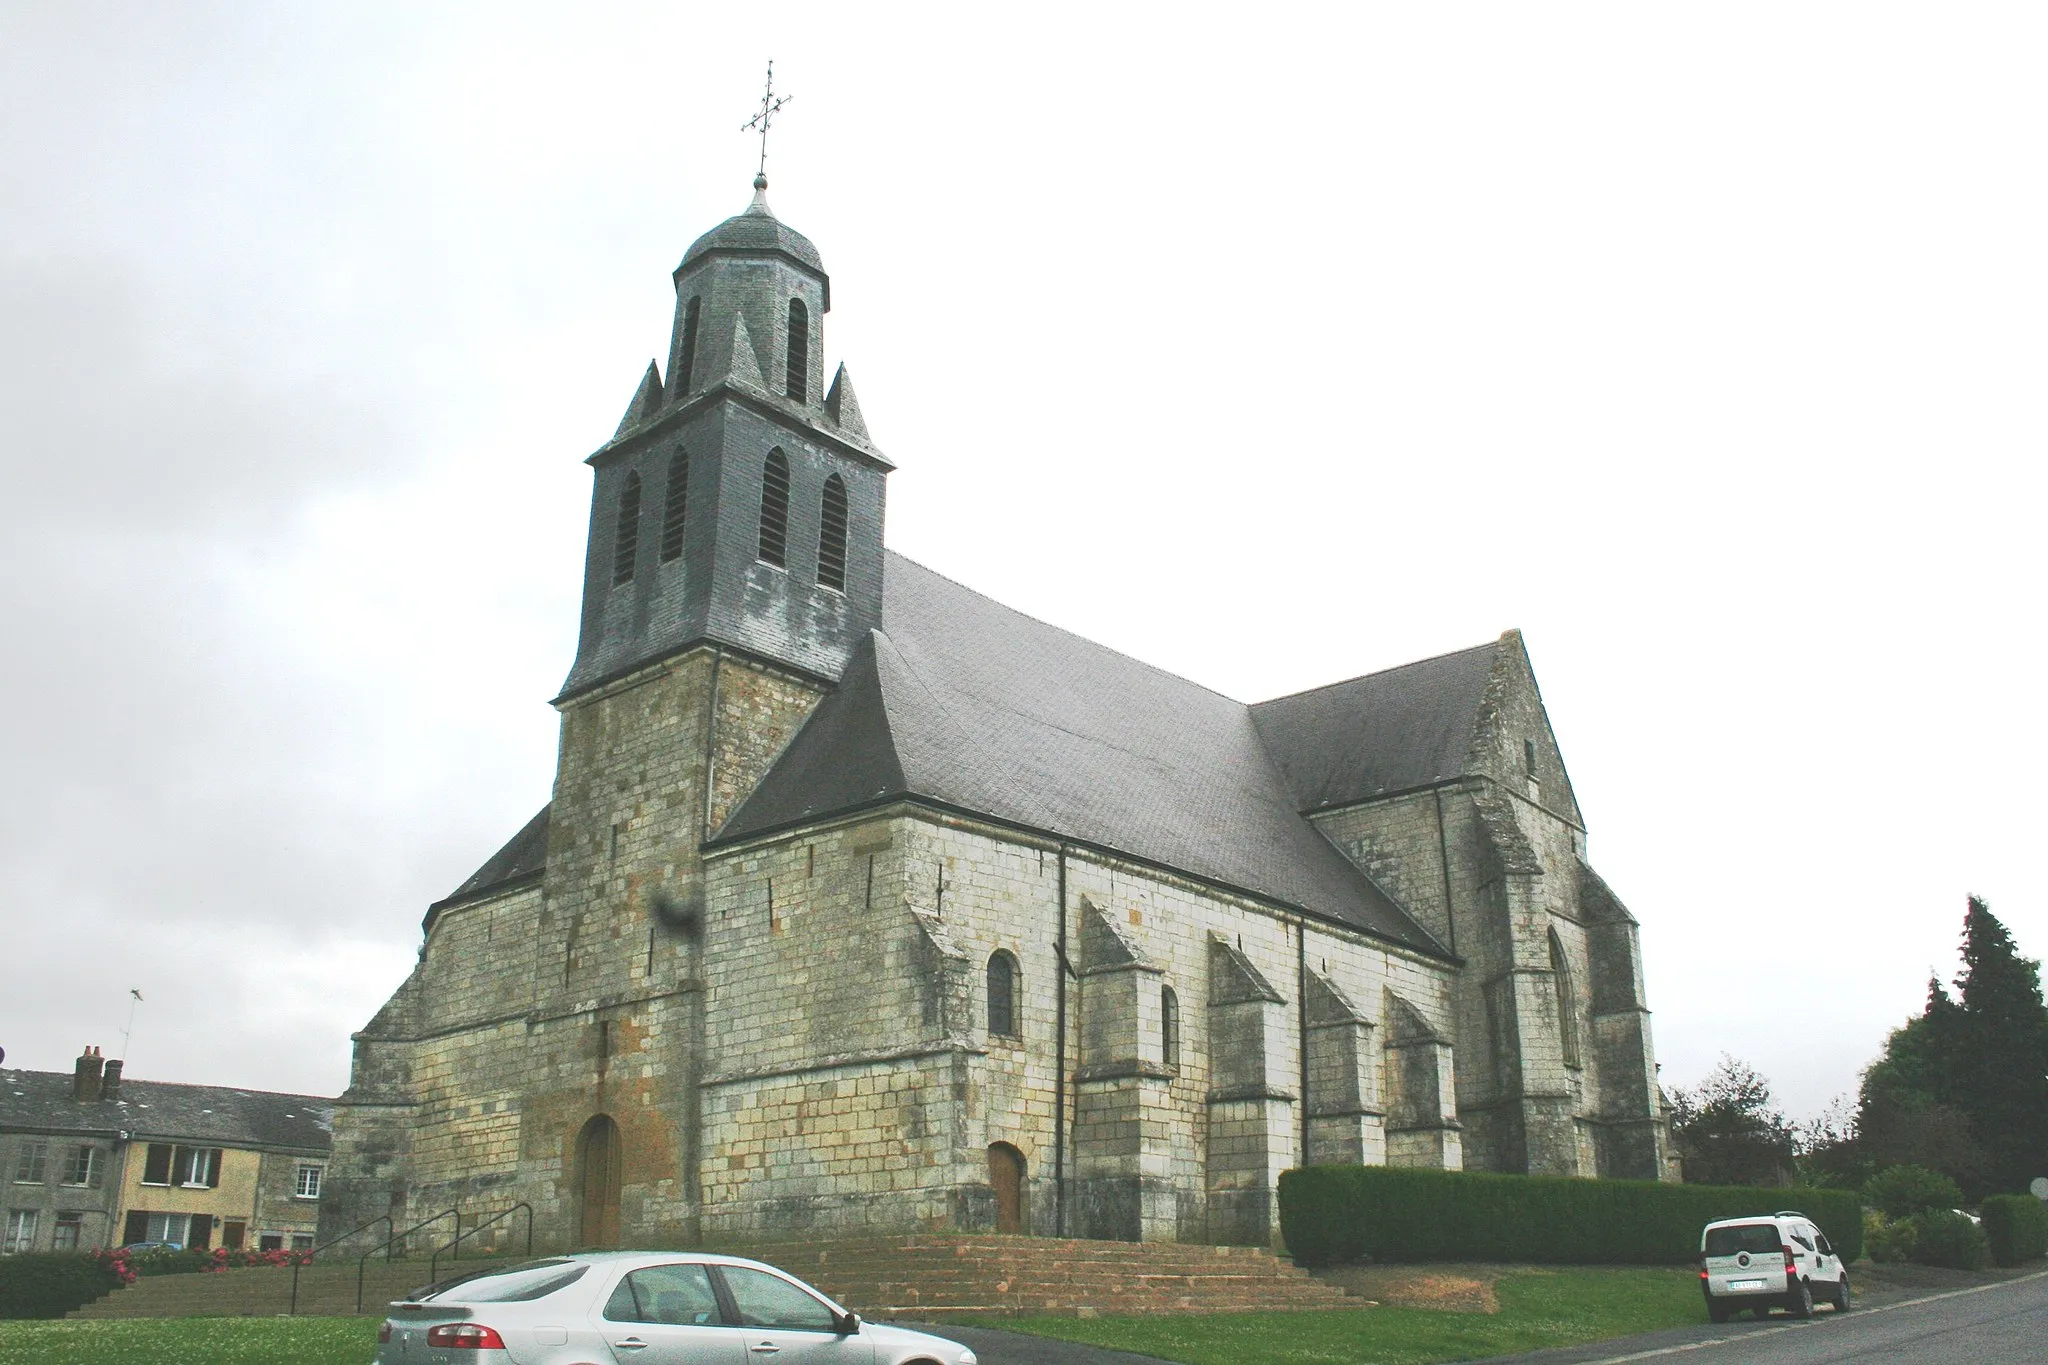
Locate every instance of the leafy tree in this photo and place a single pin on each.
(1902, 1191)
(1729, 1129)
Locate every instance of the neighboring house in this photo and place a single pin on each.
(95, 1160)
(865, 902)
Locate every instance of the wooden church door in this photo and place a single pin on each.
(1006, 1176)
(597, 1164)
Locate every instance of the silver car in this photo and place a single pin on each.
(643, 1308)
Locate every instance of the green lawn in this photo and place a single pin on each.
(1538, 1308)
(191, 1341)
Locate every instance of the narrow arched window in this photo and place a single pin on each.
(832, 535)
(1002, 994)
(675, 506)
(1169, 1026)
(799, 366)
(1567, 1001)
(626, 543)
(686, 357)
(775, 510)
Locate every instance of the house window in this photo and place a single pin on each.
(1567, 1001)
(195, 1168)
(1169, 1026)
(175, 1228)
(1002, 995)
(799, 367)
(307, 1185)
(66, 1235)
(302, 1241)
(156, 1164)
(626, 541)
(675, 507)
(686, 359)
(21, 1231)
(82, 1166)
(832, 536)
(775, 510)
(270, 1241)
(31, 1162)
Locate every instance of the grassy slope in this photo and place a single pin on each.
(191, 1341)
(1537, 1309)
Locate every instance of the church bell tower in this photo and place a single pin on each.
(740, 502)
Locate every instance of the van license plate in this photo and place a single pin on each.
(1745, 1284)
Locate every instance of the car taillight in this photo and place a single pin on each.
(384, 1334)
(465, 1336)
(1791, 1263)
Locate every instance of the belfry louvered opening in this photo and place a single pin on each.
(799, 359)
(832, 536)
(775, 510)
(675, 508)
(686, 357)
(626, 543)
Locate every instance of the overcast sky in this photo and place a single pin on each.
(1704, 344)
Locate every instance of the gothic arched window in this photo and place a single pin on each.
(686, 356)
(832, 535)
(799, 365)
(775, 510)
(626, 542)
(1169, 1026)
(1002, 994)
(675, 506)
(1567, 1001)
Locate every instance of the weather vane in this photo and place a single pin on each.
(759, 122)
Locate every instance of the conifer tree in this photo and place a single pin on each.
(2000, 1072)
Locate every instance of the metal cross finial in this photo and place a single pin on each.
(759, 122)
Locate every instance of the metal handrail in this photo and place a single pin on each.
(383, 1218)
(386, 1245)
(434, 1262)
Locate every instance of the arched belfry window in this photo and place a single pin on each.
(626, 543)
(686, 356)
(775, 510)
(799, 362)
(832, 535)
(1169, 1026)
(675, 506)
(1002, 995)
(1567, 1001)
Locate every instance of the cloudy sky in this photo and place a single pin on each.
(1705, 345)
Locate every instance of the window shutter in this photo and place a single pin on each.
(156, 1167)
(201, 1235)
(136, 1229)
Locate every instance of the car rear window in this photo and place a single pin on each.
(514, 1284)
(1759, 1239)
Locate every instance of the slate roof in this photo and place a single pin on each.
(962, 701)
(756, 230)
(525, 855)
(1385, 732)
(40, 1101)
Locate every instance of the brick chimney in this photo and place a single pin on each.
(85, 1076)
(110, 1081)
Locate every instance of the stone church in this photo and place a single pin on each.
(866, 903)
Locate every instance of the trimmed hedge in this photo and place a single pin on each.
(2017, 1225)
(1333, 1214)
(1946, 1238)
(49, 1284)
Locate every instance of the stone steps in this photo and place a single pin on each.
(880, 1277)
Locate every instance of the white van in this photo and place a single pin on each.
(1780, 1261)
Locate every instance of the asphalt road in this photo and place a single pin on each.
(1999, 1324)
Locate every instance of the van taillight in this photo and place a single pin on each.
(384, 1334)
(1791, 1263)
(465, 1336)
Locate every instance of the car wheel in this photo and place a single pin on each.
(1842, 1293)
(1716, 1310)
(1802, 1300)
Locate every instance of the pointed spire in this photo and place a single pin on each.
(745, 366)
(646, 401)
(843, 408)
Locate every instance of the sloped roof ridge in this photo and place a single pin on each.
(1383, 672)
(1070, 634)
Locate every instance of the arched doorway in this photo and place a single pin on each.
(1006, 1177)
(597, 1183)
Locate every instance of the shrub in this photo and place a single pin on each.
(166, 1262)
(1332, 1214)
(2016, 1225)
(49, 1284)
(1887, 1239)
(1902, 1191)
(1947, 1238)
